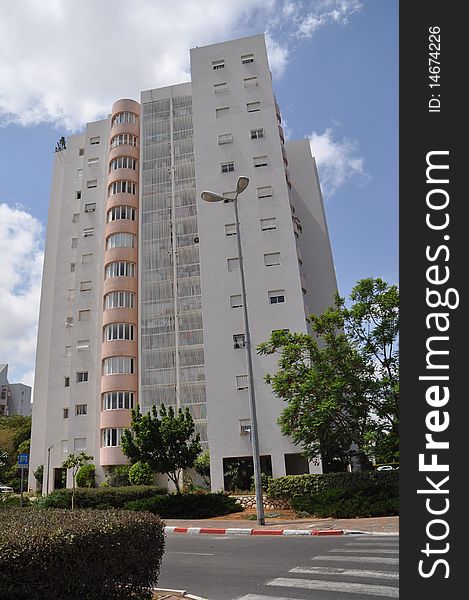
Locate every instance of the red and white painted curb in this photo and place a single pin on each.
(236, 531)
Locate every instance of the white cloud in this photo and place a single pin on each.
(21, 249)
(337, 160)
(66, 62)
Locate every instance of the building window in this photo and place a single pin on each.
(81, 151)
(230, 229)
(256, 134)
(264, 192)
(92, 184)
(112, 438)
(122, 187)
(85, 286)
(120, 269)
(218, 64)
(238, 340)
(247, 58)
(245, 427)
(68, 352)
(83, 345)
(82, 376)
(64, 444)
(65, 413)
(228, 197)
(225, 138)
(73, 266)
(76, 218)
(118, 365)
(124, 117)
(88, 232)
(118, 331)
(250, 82)
(79, 444)
(227, 167)
(84, 315)
(241, 382)
(236, 301)
(78, 195)
(90, 207)
(219, 88)
(95, 140)
(69, 322)
(71, 294)
(220, 112)
(86, 259)
(74, 242)
(272, 259)
(79, 172)
(119, 300)
(123, 162)
(253, 107)
(124, 139)
(121, 212)
(120, 240)
(260, 161)
(81, 409)
(118, 400)
(67, 381)
(233, 264)
(269, 224)
(277, 297)
(93, 161)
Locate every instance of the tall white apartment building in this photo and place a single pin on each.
(141, 300)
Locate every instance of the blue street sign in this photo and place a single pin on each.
(23, 460)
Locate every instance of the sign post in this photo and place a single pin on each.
(23, 463)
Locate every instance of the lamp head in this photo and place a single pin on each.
(211, 197)
(242, 184)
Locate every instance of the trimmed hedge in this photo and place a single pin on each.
(79, 555)
(188, 506)
(13, 501)
(102, 498)
(292, 486)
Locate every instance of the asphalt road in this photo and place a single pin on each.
(352, 567)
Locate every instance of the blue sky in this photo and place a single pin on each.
(335, 75)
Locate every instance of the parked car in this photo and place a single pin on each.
(387, 468)
(5, 489)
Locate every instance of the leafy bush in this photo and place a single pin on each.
(187, 506)
(119, 476)
(79, 555)
(140, 474)
(12, 500)
(305, 485)
(86, 476)
(368, 501)
(102, 498)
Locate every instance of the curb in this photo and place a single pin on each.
(178, 593)
(236, 531)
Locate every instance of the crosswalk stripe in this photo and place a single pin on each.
(347, 572)
(372, 544)
(369, 559)
(335, 586)
(365, 550)
(261, 597)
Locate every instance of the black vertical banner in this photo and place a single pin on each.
(434, 261)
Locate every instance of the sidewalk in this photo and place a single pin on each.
(375, 525)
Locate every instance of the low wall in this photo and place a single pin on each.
(269, 503)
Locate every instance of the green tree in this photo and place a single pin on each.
(202, 466)
(15, 432)
(341, 382)
(86, 476)
(140, 474)
(75, 462)
(39, 476)
(167, 442)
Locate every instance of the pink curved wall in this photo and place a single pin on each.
(112, 383)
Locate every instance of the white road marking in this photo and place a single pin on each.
(373, 544)
(335, 586)
(192, 553)
(369, 559)
(347, 572)
(366, 550)
(260, 597)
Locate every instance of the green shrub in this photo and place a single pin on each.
(365, 501)
(101, 498)
(12, 500)
(188, 506)
(304, 485)
(79, 555)
(119, 476)
(86, 476)
(140, 474)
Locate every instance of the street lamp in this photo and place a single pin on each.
(48, 464)
(241, 185)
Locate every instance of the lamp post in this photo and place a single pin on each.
(241, 185)
(48, 465)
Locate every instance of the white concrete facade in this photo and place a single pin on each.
(194, 136)
(15, 398)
